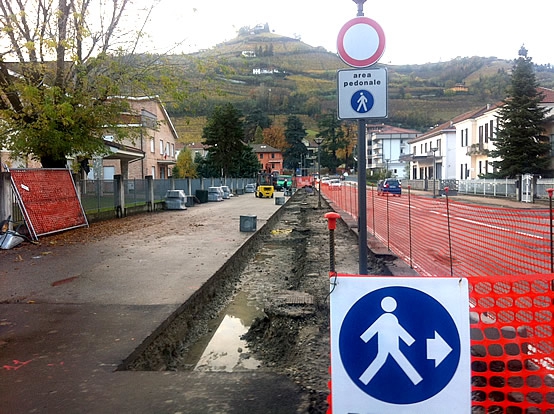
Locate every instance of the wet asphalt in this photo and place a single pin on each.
(68, 320)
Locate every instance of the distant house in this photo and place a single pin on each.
(248, 54)
(151, 152)
(196, 148)
(386, 146)
(459, 88)
(261, 71)
(270, 158)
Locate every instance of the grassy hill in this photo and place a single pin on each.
(282, 76)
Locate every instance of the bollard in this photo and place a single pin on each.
(332, 225)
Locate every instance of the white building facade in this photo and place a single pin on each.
(386, 146)
(462, 145)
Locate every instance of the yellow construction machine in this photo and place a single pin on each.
(264, 185)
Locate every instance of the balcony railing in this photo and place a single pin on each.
(477, 149)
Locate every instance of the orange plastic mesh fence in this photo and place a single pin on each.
(48, 199)
(437, 237)
(512, 349)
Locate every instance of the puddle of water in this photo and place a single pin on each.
(225, 350)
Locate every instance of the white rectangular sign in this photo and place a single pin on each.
(400, 345)
(362, 93)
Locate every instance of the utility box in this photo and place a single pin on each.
(202, 196)
(248, 223)
(175, 200)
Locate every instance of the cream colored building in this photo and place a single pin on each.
(152, 150)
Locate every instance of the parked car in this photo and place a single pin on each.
(226, 191)
(389, 186)
(215, 194)
(334, 182)
(250, 188)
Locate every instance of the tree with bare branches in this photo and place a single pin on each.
(61, 65)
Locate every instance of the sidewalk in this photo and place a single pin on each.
(70, 313)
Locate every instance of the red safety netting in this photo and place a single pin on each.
(48, 200)
(512, 346)
(446, 237)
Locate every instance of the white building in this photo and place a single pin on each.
(385, 147)
(462, 145)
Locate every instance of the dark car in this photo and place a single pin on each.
(389, 186)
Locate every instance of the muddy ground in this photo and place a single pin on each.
(287, 277)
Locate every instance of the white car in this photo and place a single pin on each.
(226, 192)
(335, 182)
(215, 194)
(250, 188)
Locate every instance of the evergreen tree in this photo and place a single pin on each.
(296, 150)
(520, 147)
(246, 164)
(223, 134)
(259, 136)
(330, 128)
(252, 121)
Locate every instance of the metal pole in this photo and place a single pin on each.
(360, 4)
(434, 149)
(319, 174)
(434, 174)
(362, 201)
(550, 191)
(449, 232)
(362, 187)
(410, 223)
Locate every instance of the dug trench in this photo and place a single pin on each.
(278, 287)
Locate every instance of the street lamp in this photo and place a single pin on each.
(434, 149)
(318, 141)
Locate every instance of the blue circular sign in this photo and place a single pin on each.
(362, 101)
(399, 338)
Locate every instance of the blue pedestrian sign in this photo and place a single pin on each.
(362, 101)
(362, 93)
(400, 345)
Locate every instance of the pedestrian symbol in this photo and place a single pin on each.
(399, 337)
(362, 101)
(389, 332)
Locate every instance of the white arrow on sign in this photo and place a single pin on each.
(437, 349)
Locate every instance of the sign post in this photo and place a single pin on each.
(361, 43)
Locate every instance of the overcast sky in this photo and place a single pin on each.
(416, 31)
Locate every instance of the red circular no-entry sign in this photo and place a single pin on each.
(361, 42)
